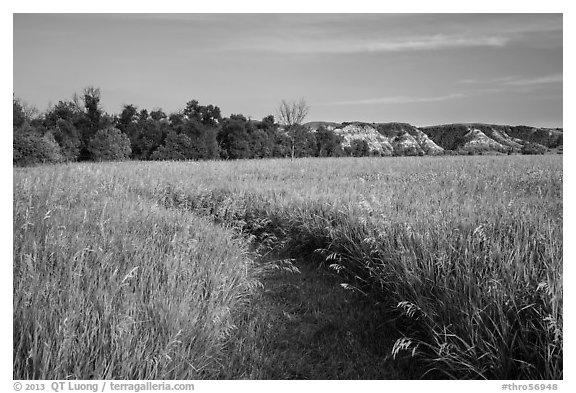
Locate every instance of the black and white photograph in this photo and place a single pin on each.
(286, 196)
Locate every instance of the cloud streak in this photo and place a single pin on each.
(303, 45)
(555, 78)
(516, 80)
(357, 34)
(429, 43)
(397, 100)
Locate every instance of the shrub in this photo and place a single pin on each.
(533, 148)
(109, 144)
(31, 148)
(68, 137)
(176, 147)
(360, 148)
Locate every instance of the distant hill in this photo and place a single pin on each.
(388, 139)
(404, 135)
(314, 125)
(489, 137)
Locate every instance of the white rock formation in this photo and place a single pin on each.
(476, 140)
(377, 142)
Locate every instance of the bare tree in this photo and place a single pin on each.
(29, 110)
(77, 102)
(291, 114)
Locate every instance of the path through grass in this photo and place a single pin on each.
(305, 325)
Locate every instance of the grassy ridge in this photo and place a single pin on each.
(468, 250)
(110, 285)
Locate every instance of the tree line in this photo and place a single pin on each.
(80, 130)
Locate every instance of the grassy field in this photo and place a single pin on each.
(158, 270)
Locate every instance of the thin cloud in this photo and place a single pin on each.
(555, 78)
(434, 43)
(516, 80)
(504, 79)
(397, 100)
(308, 45)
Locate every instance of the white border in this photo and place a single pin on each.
(356, 6)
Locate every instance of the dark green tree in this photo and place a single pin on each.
(128, 117)
(158, 115)
(208, 115)
(18, 116)
(64, 110)
(176, 147)
(329, 144)
(359, 148)
(176, 120)
(150, 135)
(30, 147)
(234, 139)
(92, 108)
(109, 144)
(530, 148)
(269, 123)
(68, 137)
(203, 138)
(303, 142)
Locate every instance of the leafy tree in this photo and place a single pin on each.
(207, 115)
(282, 145)
(107, 121)
(234, 139)
(204, 140)
(18, 116)
(192, 110)
(64, 110)
(143, 115)
(329, 144)
(158, 115)
(176, 147)
(303, 142)
(150, 137)
(238, 116)
(530, 148)
(143, 129)
(90, 119)
(211, 115)
(176, 119)
(92, 108)
(265, 137)
(31, 148)
(63, 121)
(109, 144)
(359, 148)
(68, 137)
(261, 143)
(268, 123)
(128, 117)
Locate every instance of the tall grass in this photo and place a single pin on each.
(110, 285)
(467, 251)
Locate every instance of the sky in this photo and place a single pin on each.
(423, 69)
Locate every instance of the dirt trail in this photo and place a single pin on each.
(307, 326)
